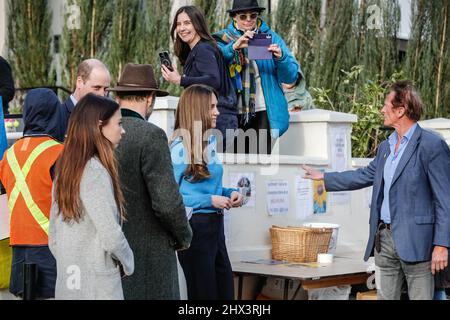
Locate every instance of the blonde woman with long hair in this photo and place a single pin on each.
(199, 173)
(85, 235)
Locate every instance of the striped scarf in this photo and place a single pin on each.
(243, 72)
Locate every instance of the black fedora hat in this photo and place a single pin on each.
(245, 5)
(137, 78)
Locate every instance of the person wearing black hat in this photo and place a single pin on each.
(261, 102)
(156, 218)
(6, 84)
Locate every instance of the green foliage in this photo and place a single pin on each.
(365, 101)
(128, 38)
(29, 41)
(344, 60)
(209, 8)
(157, 37)
(298, 23)
(428, 56)
(346, 41)
(90, 40)
(117, 32)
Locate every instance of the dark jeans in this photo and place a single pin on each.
(206, 265)
(46, 267)
(260, 126)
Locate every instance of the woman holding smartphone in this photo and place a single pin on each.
(199, 173)
(261, 102)
(85, 233)
(202, 63)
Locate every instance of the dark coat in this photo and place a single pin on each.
(205, 65)
(156, 218)
(6, 84)
(65, 112)
(40, 114)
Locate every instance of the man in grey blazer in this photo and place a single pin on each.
(410, 211)
(156, 223)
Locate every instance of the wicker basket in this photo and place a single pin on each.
(299, 244)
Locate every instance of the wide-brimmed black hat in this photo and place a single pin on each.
(245, 5)
(137, 78)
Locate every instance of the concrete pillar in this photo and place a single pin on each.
(311, 134)
(440, 125)
(163, 114)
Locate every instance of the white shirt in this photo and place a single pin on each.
(260, 102)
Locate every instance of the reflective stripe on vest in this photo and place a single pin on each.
(21, 186)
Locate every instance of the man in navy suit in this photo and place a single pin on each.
(92, 77)
(410, 211)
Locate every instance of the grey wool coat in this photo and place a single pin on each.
(156, 218)
(86, 252)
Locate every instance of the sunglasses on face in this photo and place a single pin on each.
(251, 16)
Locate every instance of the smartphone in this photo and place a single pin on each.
(257, 47)
(165, 60)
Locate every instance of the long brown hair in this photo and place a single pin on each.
(198, 20)
(85, 141)
(194, 106)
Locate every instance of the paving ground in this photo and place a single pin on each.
(5, 295)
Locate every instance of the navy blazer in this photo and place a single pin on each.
(66, 111)
(418, 199)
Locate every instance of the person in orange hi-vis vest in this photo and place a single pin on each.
(26, 171)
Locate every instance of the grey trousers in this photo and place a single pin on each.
(394, 271)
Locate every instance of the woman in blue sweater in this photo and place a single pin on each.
(199, 172)
(202, 63)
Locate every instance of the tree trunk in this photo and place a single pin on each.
(441, 61)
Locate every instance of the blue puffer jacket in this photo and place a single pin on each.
(273, 73)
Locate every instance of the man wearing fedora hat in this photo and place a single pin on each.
(156, 218)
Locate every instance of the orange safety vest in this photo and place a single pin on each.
(25, 174)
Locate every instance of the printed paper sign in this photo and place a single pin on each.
(277, 197)
(245, 182)
(304, 198)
